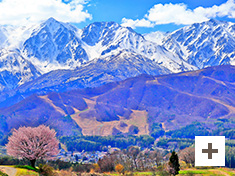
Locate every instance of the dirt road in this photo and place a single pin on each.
(10, 171)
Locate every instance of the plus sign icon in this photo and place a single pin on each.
(209, 150)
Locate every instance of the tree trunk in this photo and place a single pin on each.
(33, 162)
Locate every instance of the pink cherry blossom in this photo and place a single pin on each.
(33, 143)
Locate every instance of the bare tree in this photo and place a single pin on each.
(156, 156)
(106, 164)
(188, 156)
(133, 153)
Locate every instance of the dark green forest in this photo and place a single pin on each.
(101, 143)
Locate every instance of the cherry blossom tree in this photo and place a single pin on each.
(33, 143)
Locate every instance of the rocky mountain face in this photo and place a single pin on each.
(54, 45)
(174, 101)
(92, 74)
(109, 38)
(204, 44)
(96, 72)
(15, 70)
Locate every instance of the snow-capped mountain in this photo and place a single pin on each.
(96, 72)
(29, 52)
(15, 70)
(108, 38)
(92, 74)
(54, 45)
(204, 44)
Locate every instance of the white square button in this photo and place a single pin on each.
(209, 150)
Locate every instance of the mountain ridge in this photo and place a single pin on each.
(204, 44)
(76, 50)
(174, 101)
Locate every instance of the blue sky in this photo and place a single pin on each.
(116, 10)
(142, 15)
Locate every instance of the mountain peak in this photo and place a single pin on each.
(212, 43)
(95, 32)
(52, 23)
(213, 22)
(51, 20)
(101, 26)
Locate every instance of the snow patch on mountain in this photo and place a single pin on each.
(93, 51)
(204, 44)
(156, 37)
(105, 39)
(15, 70)
(53, 45)
(56, 45)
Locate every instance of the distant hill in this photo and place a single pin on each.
(136, 105)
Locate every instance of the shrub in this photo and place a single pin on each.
(119, 168)
(96, 167)
(163, 173)
(82, 167)
(46, 170)
(106, 164)
(7, 160)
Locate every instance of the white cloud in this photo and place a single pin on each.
(136, 23)
(180, 14)
(21, 12)
(170, 13)
(224, 10)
